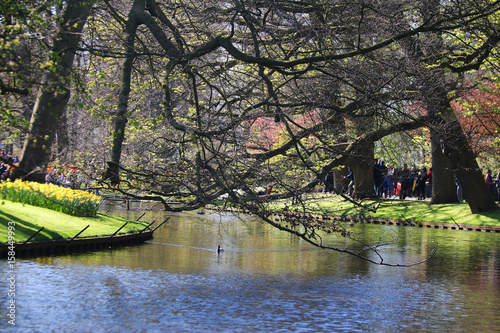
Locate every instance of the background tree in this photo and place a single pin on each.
(54, 90)
(22, 50)
(273, 71)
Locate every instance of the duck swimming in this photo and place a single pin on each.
(219, 249)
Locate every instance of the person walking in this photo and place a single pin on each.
(404, 178)
(489, 181)
(328, 183)
(497, 182)
(379, 171)
(429, 180)
(350, 177)
(421, 182)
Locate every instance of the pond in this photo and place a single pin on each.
(265, 281)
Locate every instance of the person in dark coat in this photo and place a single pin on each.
(404, 178)
(379, 171)
(328, 184)
(421, 182)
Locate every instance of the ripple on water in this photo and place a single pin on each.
(75, 297)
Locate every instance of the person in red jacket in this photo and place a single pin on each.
(429, 179)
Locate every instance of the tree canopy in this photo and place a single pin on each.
(364, 68)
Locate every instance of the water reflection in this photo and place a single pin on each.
(265, 281)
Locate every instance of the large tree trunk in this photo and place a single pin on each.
(53, 95)
(443, 181)
(464, 163)
(446, 129)
(447, 133)
(339, 182)
(133, 22)
(363, 177)
(362, 161)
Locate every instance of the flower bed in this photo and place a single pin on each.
(61, 199)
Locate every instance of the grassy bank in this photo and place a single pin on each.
(411, 210)
(28, 219)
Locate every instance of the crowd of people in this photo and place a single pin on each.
(407, 182)
(68, 177)
(6, 163)
(392, 182)
(417, 183)
(404, 182)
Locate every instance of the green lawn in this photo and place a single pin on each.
(411, 210)
(28, 219)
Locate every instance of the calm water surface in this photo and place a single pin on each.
(265, 281)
